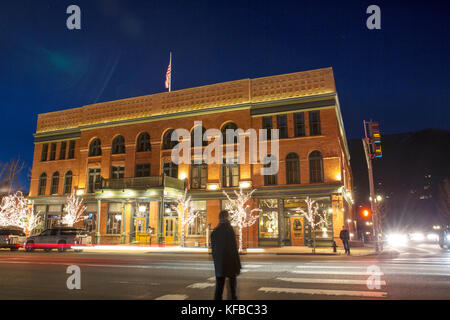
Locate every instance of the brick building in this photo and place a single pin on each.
(117, 156)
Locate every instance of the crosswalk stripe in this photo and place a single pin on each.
(201, 285)
(173, 297)
(372, 294)
(328, 281)
(329, 267)
(252, 266)
(355, 273)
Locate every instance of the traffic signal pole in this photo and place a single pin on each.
(369, 151)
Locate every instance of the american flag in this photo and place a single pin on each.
(169, 74)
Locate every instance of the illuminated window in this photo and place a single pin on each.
(117, 172)
(230, 173)
(199, 175)
(114, 218)
(94, 180)
(268, 219)
(198, 227)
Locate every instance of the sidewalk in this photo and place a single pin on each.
(287, 250)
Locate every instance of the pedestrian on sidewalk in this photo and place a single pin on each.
(227, 263)
(345, 237)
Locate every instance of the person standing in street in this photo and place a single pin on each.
(345, 237)
(227, 263)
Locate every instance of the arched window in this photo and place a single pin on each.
(167, 140)
(315, 167)
(270, 179)
(195, 131)
(95, 148)
(42, 184)
(68, 182)
(118, 145)
(143, 142)
(229, 126)
(55, 183)
(292, 168)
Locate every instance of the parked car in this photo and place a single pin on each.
(12, 238)
(60, 238)
(444, 238)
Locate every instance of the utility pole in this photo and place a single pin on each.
(372, 150)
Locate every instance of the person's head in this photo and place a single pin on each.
(223, 216)
(344, 227)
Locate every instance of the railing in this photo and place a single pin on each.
(143, 183)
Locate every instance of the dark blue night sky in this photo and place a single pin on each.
(398, 75)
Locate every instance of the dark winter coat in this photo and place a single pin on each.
(344, 235)
(224, 250)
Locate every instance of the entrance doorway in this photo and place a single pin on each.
(141, 231)
(297, 235)
(169, 230)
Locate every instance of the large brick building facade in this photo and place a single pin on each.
(117, 156)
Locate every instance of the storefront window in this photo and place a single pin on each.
(268, 224)
(268, 219)
(114, 218)
(198, 227)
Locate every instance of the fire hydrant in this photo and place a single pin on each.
(334, 246)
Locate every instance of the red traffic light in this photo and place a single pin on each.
(365, 213)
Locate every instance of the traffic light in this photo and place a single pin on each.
(365, 213)
(375, 140)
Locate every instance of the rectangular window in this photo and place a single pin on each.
(282, 126)
(143, 170)
(44, 152)
(52, 152)
(71, 154)
(114, 218)
(94, 180)
(299, 124)
(198, 227)
(267, 124)
(230, 174)
(62, 150)
(270, 179)
(199, 176)
(117, 172)
(170, 169)
(268, 219)
(314, 123)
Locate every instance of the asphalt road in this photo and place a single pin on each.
(422, 272)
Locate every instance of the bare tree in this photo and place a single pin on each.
(9, 174)
(314, 216)
(240, 214)
(186, 214)
(74, 209)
